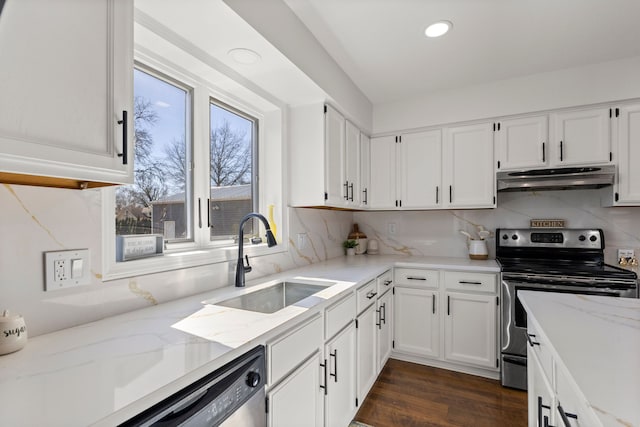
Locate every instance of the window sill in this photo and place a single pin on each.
(176, 260)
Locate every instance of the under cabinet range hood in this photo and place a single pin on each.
(556, 178)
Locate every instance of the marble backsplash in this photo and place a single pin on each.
(436, 233)
(35, 220)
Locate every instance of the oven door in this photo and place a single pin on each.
(513, 338)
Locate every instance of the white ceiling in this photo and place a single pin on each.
(381, 46)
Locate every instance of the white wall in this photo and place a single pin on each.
(35, 220)
(604, 82)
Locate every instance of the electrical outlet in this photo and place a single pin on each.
(392, 228)
(64, 269)
(302, 241)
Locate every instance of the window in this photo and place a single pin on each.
(159, 200)
(231, 154)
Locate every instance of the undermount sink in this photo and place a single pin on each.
(273, 298)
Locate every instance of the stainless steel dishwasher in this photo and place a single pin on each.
(230, 396)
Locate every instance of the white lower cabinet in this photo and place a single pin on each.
(470, 329)
(298, 397)
(384, 325)
(367, 358)
(340, 398)
(416, 321)
(542, 399)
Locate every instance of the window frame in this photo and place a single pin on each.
(201, 250)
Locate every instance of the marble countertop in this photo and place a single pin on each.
(596, 340)
(102, 373)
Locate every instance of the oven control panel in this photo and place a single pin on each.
(583, 238)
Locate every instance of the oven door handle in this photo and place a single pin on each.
(514, 361)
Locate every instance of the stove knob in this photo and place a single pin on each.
(505, 237)
(593, 238)
(582, 238)
(514, 237)
(253, 379)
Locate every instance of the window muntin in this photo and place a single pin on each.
(160, 199)
(232, 166)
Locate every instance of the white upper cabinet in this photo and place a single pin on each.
(336, 186)
(628, 186)
(581, 137)
(420, 170)
(382, 194)
(522, 143)
(469, 174)
(325, 158)
(66, 85)
(352, 165)
(406, 171)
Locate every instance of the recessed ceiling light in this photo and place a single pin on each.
(244, 56)
(438, 29)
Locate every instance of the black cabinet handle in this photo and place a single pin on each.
(365, 196)
(346, 190)
(469, 282)
(199, 213)
(383, 313)
(433, 304)
(450, 194)
(540, 407)
(543, 153)
(565, 416)
(448, 305)
(437, 195)
(561, 153)
(532, 342)
(387, 282)
(351, 188)
(324, 366)
(209, 213)
(124, 123)
(335, 365)
(416, 278)
(371, 295)
(379, 319)
(546, 422)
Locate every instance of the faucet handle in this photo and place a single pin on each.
(247, 267)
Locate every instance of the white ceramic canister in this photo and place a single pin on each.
(13, 332)
(478, 249)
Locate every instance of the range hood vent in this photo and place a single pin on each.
(557, 179)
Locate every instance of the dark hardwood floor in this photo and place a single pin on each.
(407, 394)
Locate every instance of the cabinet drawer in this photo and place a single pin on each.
(479, 282)
(339, 314)
(416, 277)
(384, 282)
(539, 347)
(366, 295)
(286, 352)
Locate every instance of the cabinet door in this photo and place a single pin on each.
(65, 80)
(334, 134)
(365, 169)
(298, 397)
(470, 329)
(420, 171)
(468, 167)
(383, 172)
(352, 164)
(541, 397)
(416, 323)
(340, 401)
(581, 137)
(522, 143)
(366, 354)
(384, 324)
(629, 155)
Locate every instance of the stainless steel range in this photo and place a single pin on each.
(549, 260)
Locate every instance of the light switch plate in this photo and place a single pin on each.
(65, 269)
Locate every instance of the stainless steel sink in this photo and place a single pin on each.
(273, 298)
